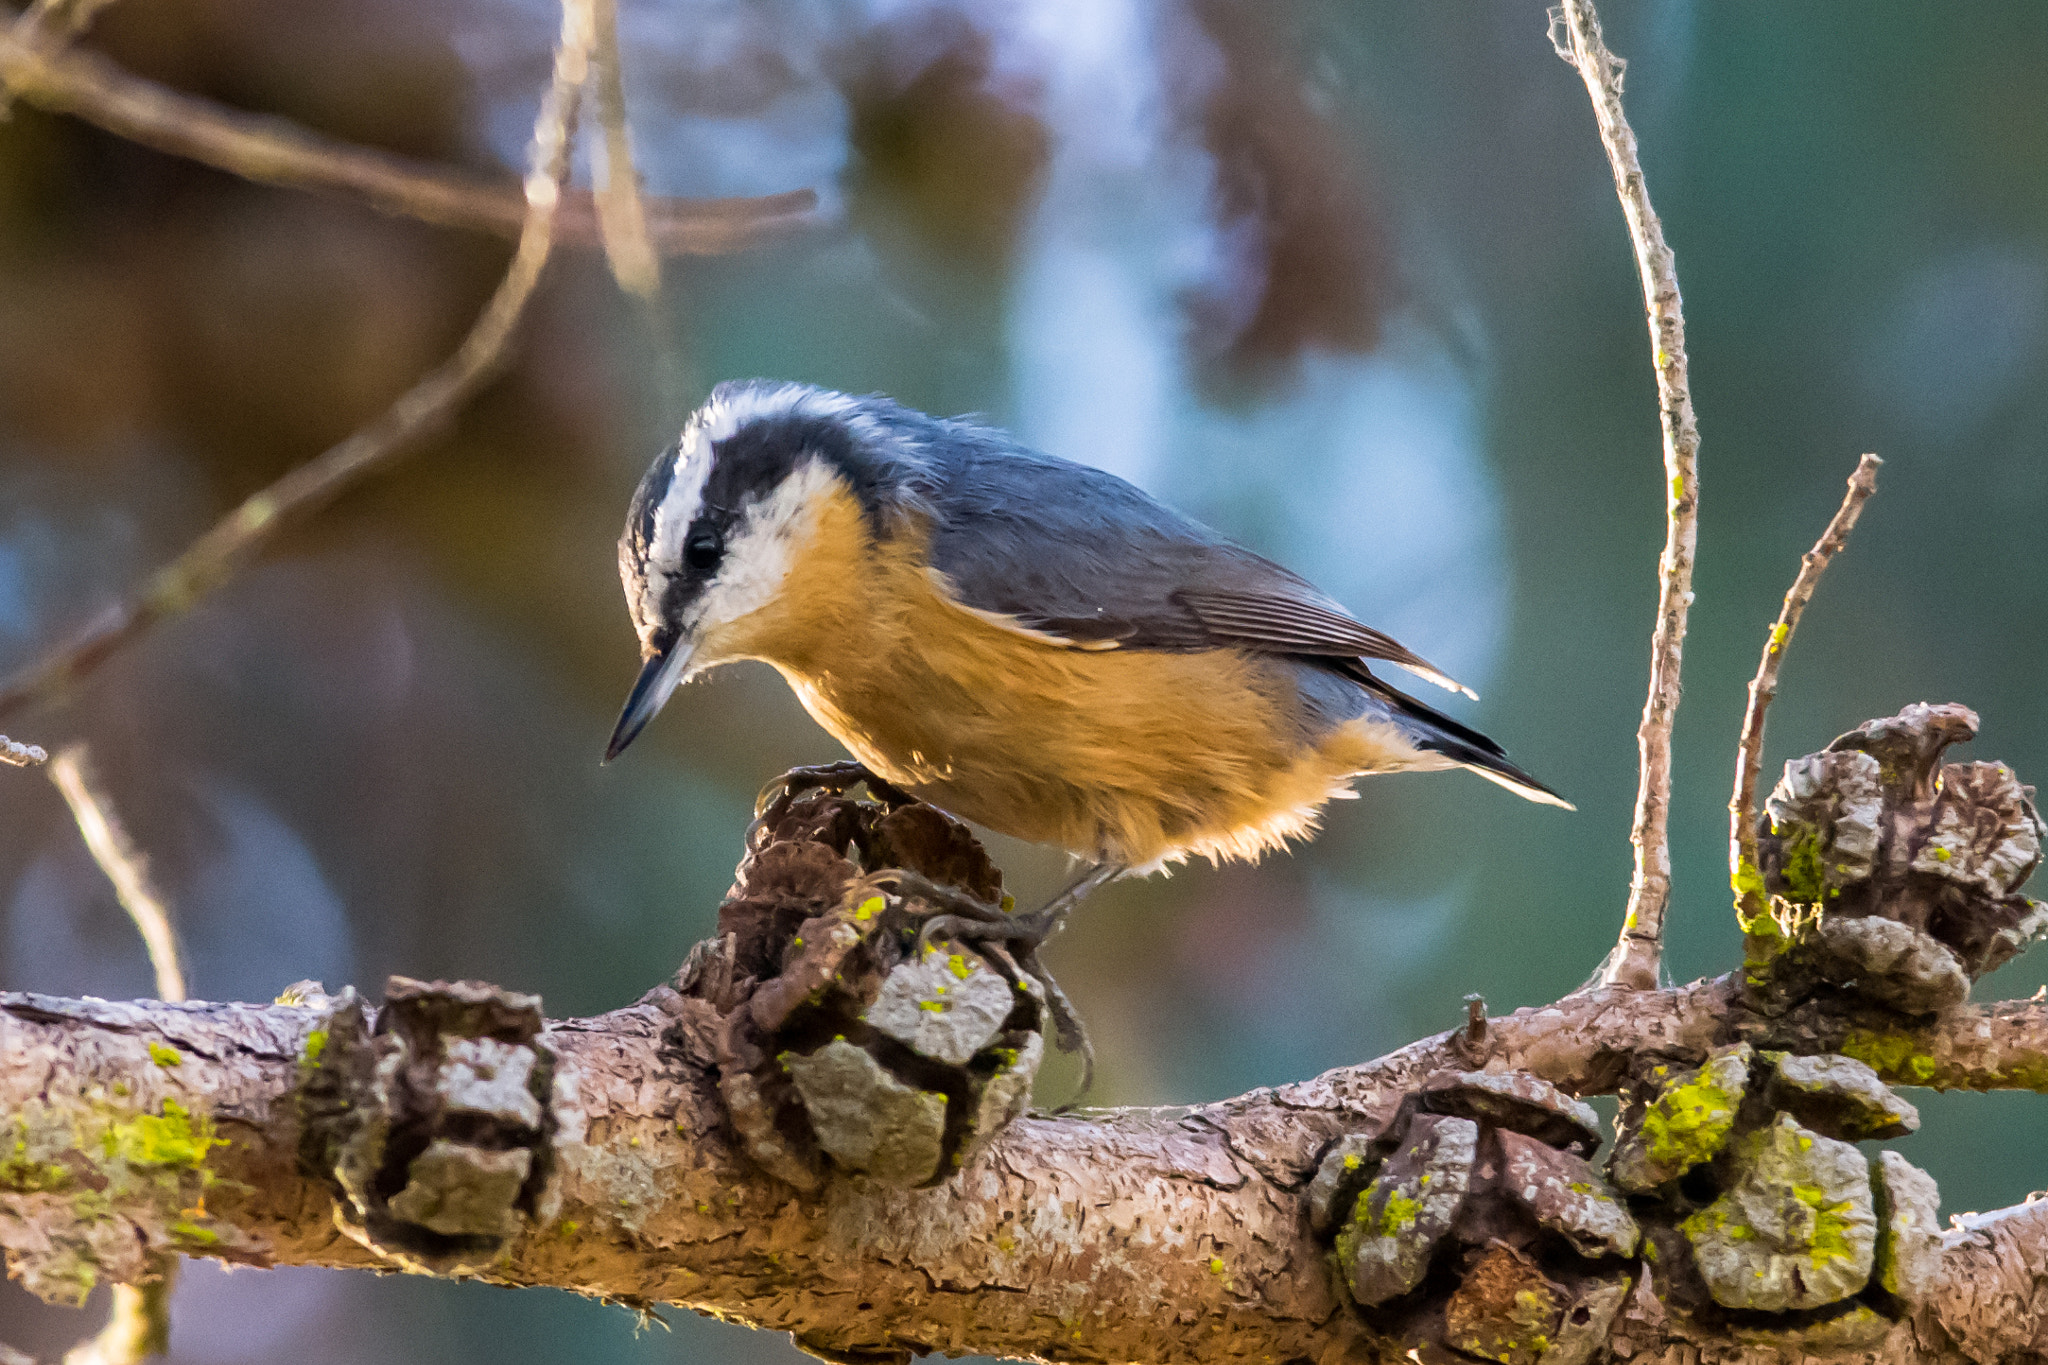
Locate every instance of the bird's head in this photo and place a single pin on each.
(735, 517)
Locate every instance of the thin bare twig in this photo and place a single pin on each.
(621, 217)
(16, 754)
(1750, 899)
(1638, 956)
(126, 867)
(138, 1325)
(276, 151)
(139, 1321)
(218, 554)
(50, 26)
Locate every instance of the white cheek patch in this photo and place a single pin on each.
(758, 559)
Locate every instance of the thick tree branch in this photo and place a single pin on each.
(1167, 1235)
(1638, 957)
(276, 151)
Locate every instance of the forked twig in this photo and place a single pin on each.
(1743, 875)
(1638, 956)
(213, 558)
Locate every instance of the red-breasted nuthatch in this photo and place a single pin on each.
(1023, 641)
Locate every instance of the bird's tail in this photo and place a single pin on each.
(1432, 730)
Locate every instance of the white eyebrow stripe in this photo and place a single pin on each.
(726, 413)
(679, 507)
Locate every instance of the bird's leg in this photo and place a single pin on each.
(1050, 918)
(836, 779)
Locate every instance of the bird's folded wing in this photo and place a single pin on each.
(1072, 555)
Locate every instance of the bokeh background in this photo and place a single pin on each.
(1346, 279)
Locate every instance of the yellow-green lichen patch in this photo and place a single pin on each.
(31, 1169)
(1688, 1122)
(1747, 881)
(316, 1047)
(1397, 1222)
(1396, 1216)
(173, 1138)
(1804, 869)
(1895, 1057)
(165, 1056)
(185, 1230)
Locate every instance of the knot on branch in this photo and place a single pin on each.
(853, 1028)
(1891, 873)
(1761, 1218)
(1475, 1227)
(431, 1121)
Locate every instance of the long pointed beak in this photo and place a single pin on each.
(658, 678)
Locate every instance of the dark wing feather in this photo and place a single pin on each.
(1081, 554)
(1301, 622)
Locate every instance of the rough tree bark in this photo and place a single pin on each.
(1163, 1235)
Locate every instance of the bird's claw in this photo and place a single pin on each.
(970, 920)
(836, 779)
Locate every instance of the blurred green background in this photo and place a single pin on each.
(1346, 279)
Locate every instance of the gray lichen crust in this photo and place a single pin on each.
(1839, 797)
(851, 1035)
(1908, 1263)
(1893, 963)
(865, 1118)
(1408, 1208)
(1472, 1226)
(1839, 1096)
(1797, 1227)
(462, 1191)
(1565, 1194)
(942, 1001)
(1345, 1170)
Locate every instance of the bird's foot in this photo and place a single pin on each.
(966, 919)
(836, 779)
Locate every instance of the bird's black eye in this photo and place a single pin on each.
(703, 550)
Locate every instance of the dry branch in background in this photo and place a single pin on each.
(1638, 957)
(276, 151)
(1751, 899)
(621, 216)
(236, 538)
(107, 839)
